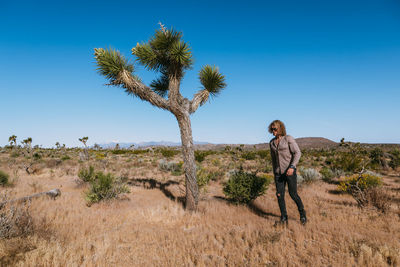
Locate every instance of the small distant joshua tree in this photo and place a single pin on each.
(96, 146)
(84, 140)
(27, 144)
(167, 54)
(58, 146)
(12, 140)
(85, 155)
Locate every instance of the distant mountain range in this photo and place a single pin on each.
(303, 142)
(146, 144)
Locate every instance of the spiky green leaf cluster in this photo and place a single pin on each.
(160, 85)
(110, 63)
(212, 80)
(166, 53)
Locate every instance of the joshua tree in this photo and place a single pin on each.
(167, 54)
(85, 155)
(12, 140)
(27, 143)
(84, 140)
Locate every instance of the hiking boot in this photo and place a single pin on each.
(303, 217)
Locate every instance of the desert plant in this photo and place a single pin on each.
(394, 159)
(3, 178)
(327, 174)
(27, 144)
(13, 141)
(377, 159)
(249, 155)
(243, 187)
(104, 187)
(168, 153)
(359, 185)
(309, 174)
(87, 175)
(203, 178)
(199, 156)
(170, 166)
(379, 198)
(169, 55)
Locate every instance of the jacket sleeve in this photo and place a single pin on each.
(273, 158)
(294, 150)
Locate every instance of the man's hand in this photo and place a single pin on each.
(290, 172)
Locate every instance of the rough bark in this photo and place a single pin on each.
(192, 190)
(199, 99)
(137, 88)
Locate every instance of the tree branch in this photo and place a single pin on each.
(199, 99)
(135, 87)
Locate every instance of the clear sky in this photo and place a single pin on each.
(325, 68)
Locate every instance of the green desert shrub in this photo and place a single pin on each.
(87, 175)
(199, 156)
(176, 168)
(361, 188)
(327, 174)
(249, 155)
(204, 176)
(243, 187)
(366, 189)
(309, 174)
(363, 182)
(105, 186)
(264, 154)
(377, 159)
(394, 159)
(65, 157)
(4, 178)
(169, 153)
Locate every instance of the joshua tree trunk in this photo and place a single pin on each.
(192, 191)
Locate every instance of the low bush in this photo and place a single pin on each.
(359, 186)
(120, 151)
(394, 159)
(169, 166)
(204, 176)
(309, 175)
(104, 187)
(65, 157)
(264, 154)
(4, 178)
(199, 156)
(380, 199)
(249, 155)
(169, 153)
(243, 187)
(327, 174)
(87, 175)
(15, 220)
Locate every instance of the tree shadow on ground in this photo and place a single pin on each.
(149, 183)
(252, 207)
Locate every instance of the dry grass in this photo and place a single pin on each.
(150, 229)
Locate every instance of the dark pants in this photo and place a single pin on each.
(280, 182)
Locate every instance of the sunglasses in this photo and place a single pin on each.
(274, 129)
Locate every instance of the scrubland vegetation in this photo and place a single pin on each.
(125, 207)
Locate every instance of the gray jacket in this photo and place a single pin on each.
(285, 154)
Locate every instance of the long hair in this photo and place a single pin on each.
(279, 125)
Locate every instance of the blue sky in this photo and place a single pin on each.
(326, 68)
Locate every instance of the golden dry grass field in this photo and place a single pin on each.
(149, 226)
